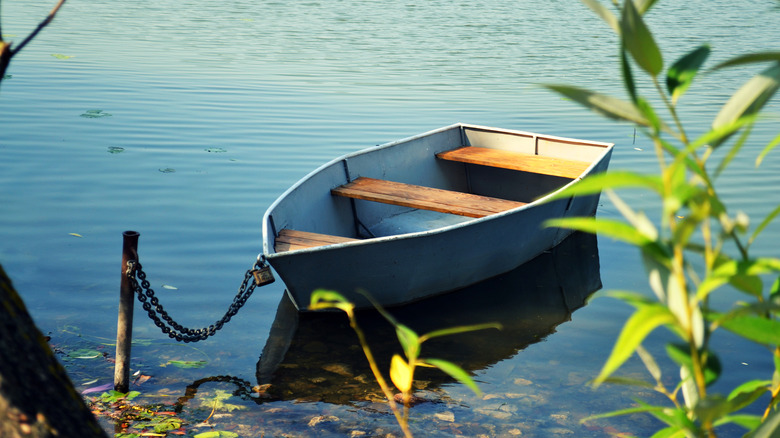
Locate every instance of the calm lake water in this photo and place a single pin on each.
(184, 120)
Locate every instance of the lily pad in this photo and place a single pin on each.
(61, 56)
(95, 114)
(115, 149)
(167, 170)
(215, 150)
(186, 363)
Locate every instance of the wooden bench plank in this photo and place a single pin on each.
(289, 240)
(516, 161)
(425, 198)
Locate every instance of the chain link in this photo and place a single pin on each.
(172, 328)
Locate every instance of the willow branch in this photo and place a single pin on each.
(40, 27)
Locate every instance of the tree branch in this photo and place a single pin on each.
(39, 28)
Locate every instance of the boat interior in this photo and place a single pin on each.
(431, 181)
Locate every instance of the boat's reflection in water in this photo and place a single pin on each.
(316, 356)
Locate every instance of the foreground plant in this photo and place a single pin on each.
(700, 247)
(401, 369)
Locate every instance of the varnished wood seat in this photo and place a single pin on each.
(426, 198)
(516, 161)
(289, 240)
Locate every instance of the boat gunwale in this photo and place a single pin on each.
(270, 253)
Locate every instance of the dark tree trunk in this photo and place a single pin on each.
(37, 399)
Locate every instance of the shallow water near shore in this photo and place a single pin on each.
(185, 120)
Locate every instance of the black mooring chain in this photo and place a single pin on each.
(259, 272)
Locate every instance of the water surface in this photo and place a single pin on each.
(217, 107)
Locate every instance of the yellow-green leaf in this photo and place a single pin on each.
(638, 40)
(400, 373)
(646, 319)
(455, 372)
(608, 106)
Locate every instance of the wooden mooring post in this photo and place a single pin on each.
(124, 326)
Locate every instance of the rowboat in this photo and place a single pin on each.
(530, 302)
(427, 214)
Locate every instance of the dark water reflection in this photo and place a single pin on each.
(314, 356)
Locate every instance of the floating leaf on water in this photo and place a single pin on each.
(115, 149)
(7, 77)
(215, 150)
(168, 286)
(167, 170)
(216, 434)
(61, 56)
(100, 388)
(95, 114)
(75, 234)
(186, 363)
(84, 353)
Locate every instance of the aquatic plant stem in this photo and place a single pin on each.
(402, 419)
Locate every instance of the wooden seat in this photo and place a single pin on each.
(516, 161)
(425, 198)
(289, 240)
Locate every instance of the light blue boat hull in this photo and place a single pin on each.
(414, 254)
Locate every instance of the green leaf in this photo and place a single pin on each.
(328, 299)
(85, 353)
(603, 104)
(681, 74)
(750, 98)
(770, 427)
(460, 329)
(681, 354)
(455, 372)
(409, 340)
(647, 318)
(628, 74)
(749, 422)
(627, 411)
(217, 434)
(748, 392)
(750, 58)
(763, 224)
(187, 363)
(613, 180)
(733, 151)
(604, 13)
(755, 328)
(768, 148)
(95, 114)
(638, 40)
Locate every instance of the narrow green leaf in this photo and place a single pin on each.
(749, 422)
(603, 104)
(650, 364)
(681, 354)
(628, 382)
(460, 329)
(604, 13)
(627, 411)
(670, 432)
(327, 299)
(755, 328)
(768, 148)
(733, 151)
(409, 340)
(750, 58)
(770, 428)
(612, 180)
(608, 227)
(638, 40)
(455, 372)
(748, 392)
(681, 74)
(646, 319)
(750, 98)
(769, 218)
(628, 74)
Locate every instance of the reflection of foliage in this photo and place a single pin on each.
(217, 402)
(686, 260)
